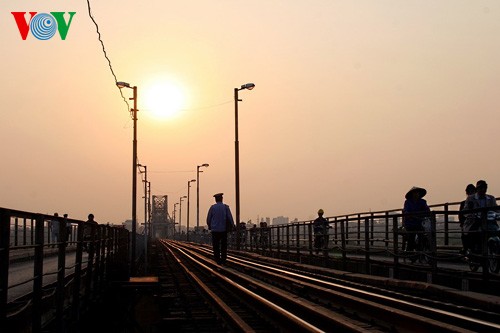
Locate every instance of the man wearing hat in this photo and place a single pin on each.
(220, 222)
(414, 210)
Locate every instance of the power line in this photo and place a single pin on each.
(105, 54)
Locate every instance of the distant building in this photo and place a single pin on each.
(280, 220)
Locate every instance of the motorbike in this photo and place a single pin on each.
(474, 255)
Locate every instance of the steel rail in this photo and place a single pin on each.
(290, 306)
(269, 309)
(230, 315)
(411, 313)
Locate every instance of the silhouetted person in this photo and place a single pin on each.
(254, 235)
(68, 227)
(469, 190)
(54, 229)
(320, 228)
(472, 223)
(264, 235)
(414, 210)
(220, 222)
(89, 230)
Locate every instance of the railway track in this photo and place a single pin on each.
(273, 297)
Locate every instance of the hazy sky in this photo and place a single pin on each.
(355, 102)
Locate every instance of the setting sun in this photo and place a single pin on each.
(163, 100)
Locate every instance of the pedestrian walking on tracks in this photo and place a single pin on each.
(220, 222)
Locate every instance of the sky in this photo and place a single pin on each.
(354, 103)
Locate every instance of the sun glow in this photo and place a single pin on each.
(163, 100)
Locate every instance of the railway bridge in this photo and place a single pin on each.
(275, 281)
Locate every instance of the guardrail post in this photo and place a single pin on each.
(310, 235)
(345, 232)
(270, 240)
(372, 229)
(336, 232)
(433, 239)
(278, 240)
(61, 264)
(97, 269)
(25, 228)
(297, 238)
(484, 245)
(359, 230)
(343, 243)
(367, 246)
(38, 274)
(395, 238)
(386, 230)
(90, 263)
(4, 263)
(288, 239)
(446, 224)
(77, 282)
(16, 231)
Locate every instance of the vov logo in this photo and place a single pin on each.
(42, 25)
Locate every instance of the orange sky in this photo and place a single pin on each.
(355, 102)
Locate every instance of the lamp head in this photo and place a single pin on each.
(204, 165)
(121, 84)
(248, 86)
(192, 180)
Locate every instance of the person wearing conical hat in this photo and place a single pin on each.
(414, 211)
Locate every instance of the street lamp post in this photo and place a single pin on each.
(180, 214)
(175, 208)
(198, 194)
(248, 86)
(145, 181)
(189, 186)
(149, 208)
(134, 173)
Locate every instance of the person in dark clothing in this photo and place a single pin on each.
(469, 190)
(89, 229)
(69, 229)
(220, 222)
(320, 228)
(472, 222)
(414, 211)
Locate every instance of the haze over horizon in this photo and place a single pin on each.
(354, 103)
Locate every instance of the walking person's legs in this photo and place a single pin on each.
(223, 247)
(216, 244)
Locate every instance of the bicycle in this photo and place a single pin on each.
(423, 242)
